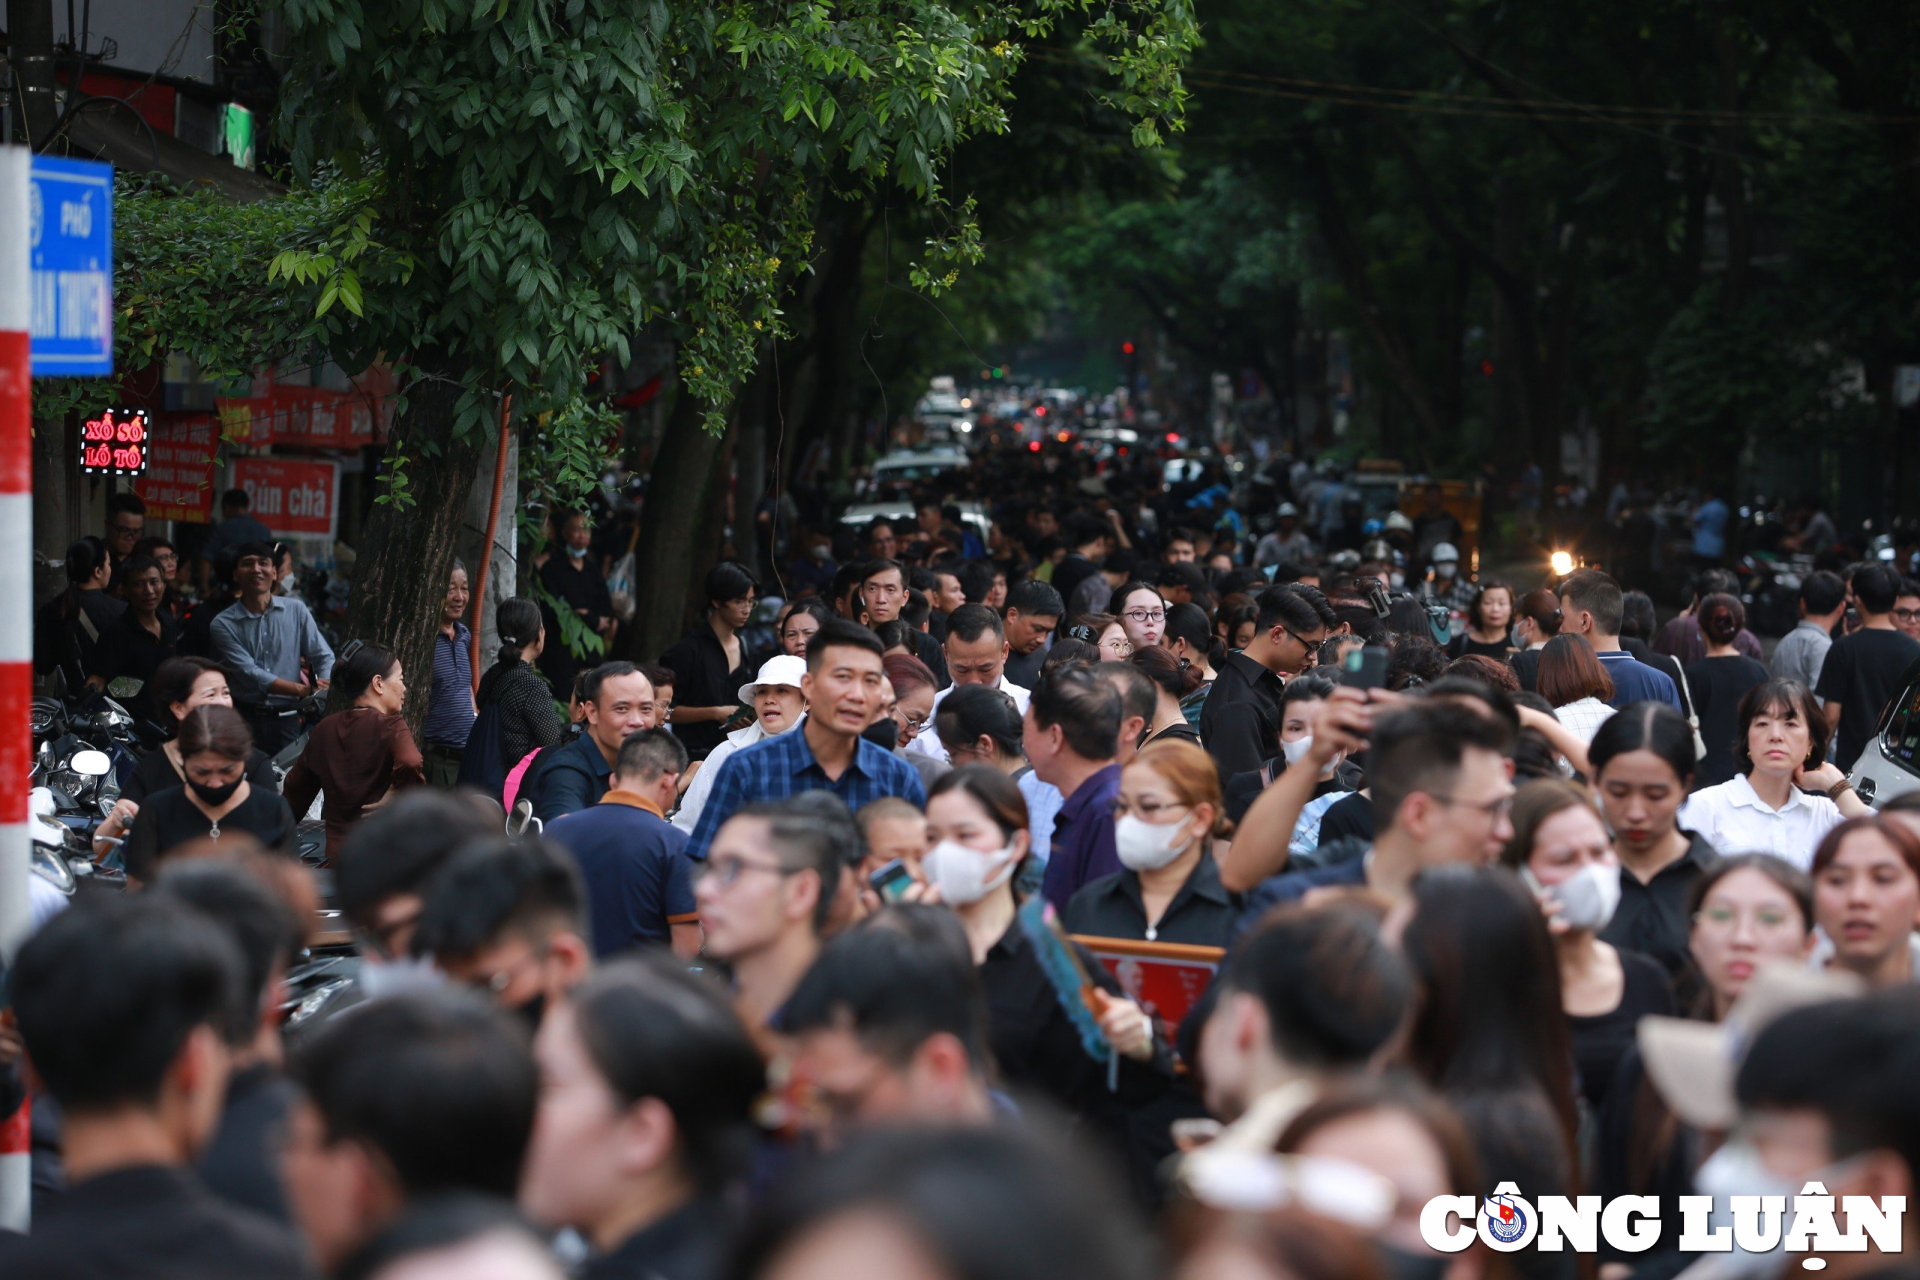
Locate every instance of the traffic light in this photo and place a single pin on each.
(1126, 348)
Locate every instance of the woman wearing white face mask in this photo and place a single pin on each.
(1338, 779)
(1564, 852)
(1165, 818)
(977, 826)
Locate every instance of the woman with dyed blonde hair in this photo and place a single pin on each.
(1166, 818)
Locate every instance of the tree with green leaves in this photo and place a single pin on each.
(508, 193)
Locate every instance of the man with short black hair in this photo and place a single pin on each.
(1031, 617)
(1803, 651)
(890, 1025)
(1071, 734)
(1240, 723)
(842, 687)
(1308, 994)
(1441, 790)
(1591, 606)
(639, 882)
(241, 1163)
(126, 522)
(508, 918)
(412, 1096)
(976, 651)
(618, 702)
(127, 1005)
(1826, 1093)
(387, 860)
(237, 527)
(262, 641)
(766, 891)
(1864, 670)
(884, 593)
(1139, 699)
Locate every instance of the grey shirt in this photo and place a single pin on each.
(1801, 653)
(259, 648)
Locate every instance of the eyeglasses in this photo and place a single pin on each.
(1119, 644)
(1146, 615)
(1905, 615)
(1490, 808)
(1312, 647)
(1726, 919)
(725, 872)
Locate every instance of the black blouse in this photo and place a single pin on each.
(1601, 1041)
(1039, 1051)
(1202, 914)
(170, 819)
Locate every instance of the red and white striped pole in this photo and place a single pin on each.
(16, 627)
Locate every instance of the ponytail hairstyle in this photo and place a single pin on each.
(1722, 617)
(1189, 622)
(1158, 664)
(518, 622)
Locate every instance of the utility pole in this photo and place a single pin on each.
(35, 104)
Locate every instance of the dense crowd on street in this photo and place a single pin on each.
(1109, 871)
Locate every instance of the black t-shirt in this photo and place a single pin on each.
(1526, 667)
(1600, 1041)
(1464, 645)
(1862, 673)
(703, 678)
(169, 819)
(1023, 669)
(129, 650)
(1349, 819)
(1717, 685)
(153, 1222)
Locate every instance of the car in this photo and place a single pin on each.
(1890, 765)
(899, 511)
(907, 467)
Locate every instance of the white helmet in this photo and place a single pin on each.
(1397, 521)
(1445, 553)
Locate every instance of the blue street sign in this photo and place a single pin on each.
(71, 239)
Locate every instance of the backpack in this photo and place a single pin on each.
(480, 766)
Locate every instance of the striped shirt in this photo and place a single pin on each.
(450, 708)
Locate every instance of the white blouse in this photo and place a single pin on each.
(1734, 819)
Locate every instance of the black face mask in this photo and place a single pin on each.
(216, 796)
(531, 1012)
(883, 733)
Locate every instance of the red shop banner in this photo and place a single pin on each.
(178, 484)
(292, 496)
(303, 417)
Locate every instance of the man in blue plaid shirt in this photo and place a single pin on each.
(826, 753)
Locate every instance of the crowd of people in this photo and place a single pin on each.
(1103, 893)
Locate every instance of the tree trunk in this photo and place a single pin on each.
(400, 575)
(503, 576)
(673, 533)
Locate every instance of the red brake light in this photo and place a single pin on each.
(1033, 446)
